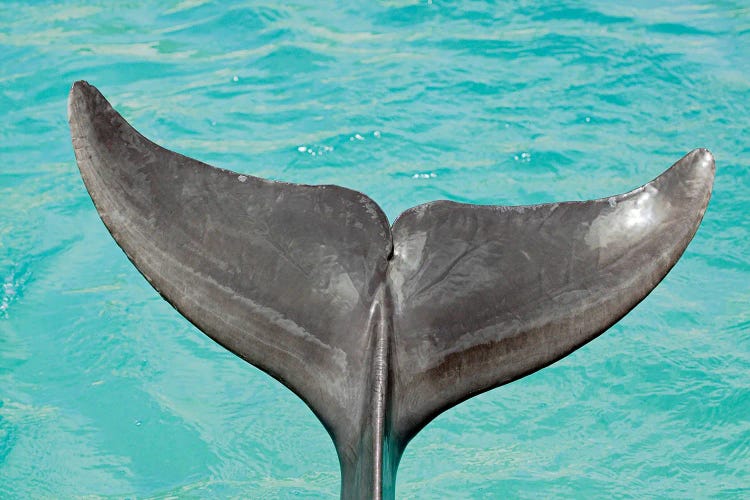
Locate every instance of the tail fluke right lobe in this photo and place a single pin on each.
(485, 295)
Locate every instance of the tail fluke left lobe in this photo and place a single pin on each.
(282, 275)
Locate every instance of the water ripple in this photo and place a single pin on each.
(105, 390)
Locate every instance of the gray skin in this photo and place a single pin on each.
(379, 328)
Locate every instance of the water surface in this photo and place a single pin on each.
(106, 391)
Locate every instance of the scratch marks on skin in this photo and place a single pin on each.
(408, 250)
(407, 259)
(152, 256)
(341, 289)
(264, 231)
(445, 272)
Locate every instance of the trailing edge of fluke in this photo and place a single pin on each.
(379, 327)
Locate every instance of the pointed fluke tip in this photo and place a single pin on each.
(82, 93)
(699, 165)
(702, 160)
(75, 96)
(696, 169)
(81, 88)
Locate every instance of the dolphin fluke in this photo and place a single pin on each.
(378, 328)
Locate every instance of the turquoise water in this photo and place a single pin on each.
(105, 391)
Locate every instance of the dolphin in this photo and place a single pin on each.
(379, 327)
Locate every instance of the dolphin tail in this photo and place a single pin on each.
(378, 328)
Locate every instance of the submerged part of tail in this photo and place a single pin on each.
(379, 329)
